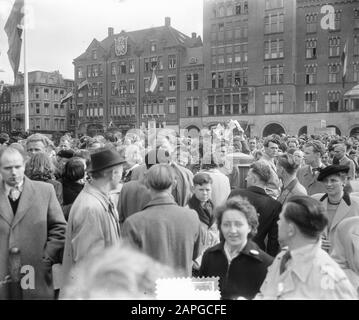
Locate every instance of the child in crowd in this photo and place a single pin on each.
(202, 204)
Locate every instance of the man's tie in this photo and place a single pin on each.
(14, 193)
(286, 257)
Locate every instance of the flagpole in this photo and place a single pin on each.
(26, 80)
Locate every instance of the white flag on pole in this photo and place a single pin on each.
(154, 81)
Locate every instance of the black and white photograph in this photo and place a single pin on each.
(179, 150)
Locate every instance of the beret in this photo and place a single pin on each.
(333, 169)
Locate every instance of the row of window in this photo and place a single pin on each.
(4, 98)
(229, 31)
(123, 87)
(124, 66)
(273, 103)
(129, 108)
(333, 102)
(153, 48)
(124, 109)
(72, 120)
(159, 107)
(235, 8)
(156, 62)
(334, 73)
(94, 112)
(227, 79)
(273, 49)
(171, 83)
(46, 124)
(229, 54)
(312, 21)
(44, 109)
(192, 107)
(227, 104)
(334, 47)
(273, 75)
(274, 22)
(5, 117)
(37, 93)
(5, 107)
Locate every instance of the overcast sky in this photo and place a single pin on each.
(60, 30)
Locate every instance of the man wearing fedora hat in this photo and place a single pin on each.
(93, 220)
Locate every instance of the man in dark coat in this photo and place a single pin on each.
(31, 220)
(163, 230)
(267, 208)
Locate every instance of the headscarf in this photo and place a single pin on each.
(346, 248)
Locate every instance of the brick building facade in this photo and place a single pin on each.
(117, 72)
(5, 107)
(267, 60)
(46, 113)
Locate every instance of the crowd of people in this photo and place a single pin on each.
(106, 216)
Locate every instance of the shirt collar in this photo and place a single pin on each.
(250, 250)
(230, 255)
(102, 197)
(301, 258)
(166, 199)
(20, 187)
(257, 190)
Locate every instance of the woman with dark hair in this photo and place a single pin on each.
(73, 181)
(40, 168)
(238, 262)
(304, 270)
(337, 201)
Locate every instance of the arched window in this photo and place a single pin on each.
(273, 128)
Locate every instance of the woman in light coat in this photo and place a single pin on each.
(346, 249)
(338, 203)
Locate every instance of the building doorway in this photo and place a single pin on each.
(354, 132)
(337, 131)
(303, 130)
(193, 131)
(273, 128)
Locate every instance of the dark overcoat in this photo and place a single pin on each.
(245, 274)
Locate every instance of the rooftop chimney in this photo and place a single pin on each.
(110, 31)
(194, 35)
(167, 21)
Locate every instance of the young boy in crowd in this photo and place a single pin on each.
(202, 204)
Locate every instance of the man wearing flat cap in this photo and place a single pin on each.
(93, 220)
(337, 202)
